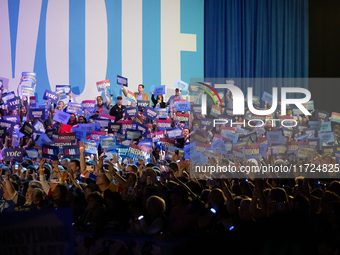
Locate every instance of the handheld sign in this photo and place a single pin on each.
(14, 119)
(65, 88)
(130, 96)
(3, 132)
(28, 76)
(27, 91)
(73, 107)
(8, 124)
(182, 106)
(102, 84)
(8, 96)
(61, 116)
(335, 117)
(88, 105)
(141, 104)
(71, 151)
(27, 129)
(267, 97)
(114, 127)
(150, 113)
(50, 152)
(37, 114)
(13, 153)
(162, 112)
(122, 80)
(181, 84)
(159, 90)
(322, 115)
(14, 103)
(51, 95)
(131, 112)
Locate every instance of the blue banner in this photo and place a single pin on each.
(50, 152)
(51, 96)
(159, 90)
(37, 114)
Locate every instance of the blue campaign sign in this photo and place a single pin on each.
(50, 151)
(267, 97)
(71, 151)
(159, 90)
(208, 123)
(196, 109)
(114, 127)
(51, 95)
(8, 124)
(37, 114)
(80, 133)
(275, 137)
(14, 103)
(61, 116)
(14, 119)
(32, 153)
(174, 133)
(325, 127)
(162, 113)
(122, 80)
(141, 104)
(327, 137)
(322, 115)
(43, 139)
(130, 112)
(182, 106)
(13, 153)
(229, 135)
(314, 124)
(150, 113)
(186, 150)
(142, 128)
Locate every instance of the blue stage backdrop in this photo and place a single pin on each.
(80, 42)
(260, 38)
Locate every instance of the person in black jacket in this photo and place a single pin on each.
(118, 109)
(158, 102)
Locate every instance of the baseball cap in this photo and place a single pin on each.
(119, 98)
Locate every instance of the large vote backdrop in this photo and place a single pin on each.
(80, 42)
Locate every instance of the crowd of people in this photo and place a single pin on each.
(161, 198)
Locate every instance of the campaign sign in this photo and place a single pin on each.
(325, 127)
(252, 151)
(107, 141)
(172, 151)
(267, 97)
(8, 124)
(174, 133)
(14, 119)
(182, 106)
(305, 152)
(88, 105)
(141, 104)
(130, 96)
(181, 84)
(132, 134)
(309, 105)
(327, 137)
(80, 133)
(114, 127)
(162, 113)
(275, 137)
(314, 124)
(95, 135)
(279, 150)
(328, 150)
(126, 125)
(43, 139)
(51, 96)
(122, 80)
(229, 135)
(136, 151)
(322, 115)
(215, 111)
(71, 151)
(196, 109)
(101, 85)
(65, 88)
(186, 150)
(74, 107)
(33, 153)
(90, 147)
(159, 90)
(27, 129)
(13, 153)
(130, 112)
(150, 113)
(107, 117)
(312, 131)
(28, 76)
(263, 148)
(164, 124)
(335, 117)
(103, 123)
(27, 91)
(142, 128)
(314, 143)
(50, 151)
(61, 116)
(14, 103)
(208, 123)
(8, 96)
(38, 114)
(32, 101)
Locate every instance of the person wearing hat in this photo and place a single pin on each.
(105, 182)
(100, 106)
(117, 110)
